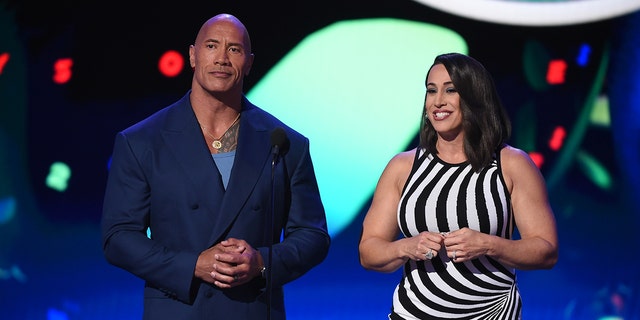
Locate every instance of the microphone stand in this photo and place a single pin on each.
(276, 151)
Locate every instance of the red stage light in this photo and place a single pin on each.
(537, 158)
(4, 58)
(557, 138)
(171, 63)
(62, 70)
(556, 72)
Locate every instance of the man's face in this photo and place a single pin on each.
(221, 56)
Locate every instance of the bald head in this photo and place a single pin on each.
(225, 18)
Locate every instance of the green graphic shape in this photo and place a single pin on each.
(356, 89)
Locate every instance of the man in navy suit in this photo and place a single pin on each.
(193, 189)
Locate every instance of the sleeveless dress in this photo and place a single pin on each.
(443, 197)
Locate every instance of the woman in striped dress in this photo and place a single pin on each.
(457, 199)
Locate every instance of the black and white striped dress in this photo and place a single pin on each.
(442, 197)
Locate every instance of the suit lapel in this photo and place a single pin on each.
(184, 138)
(252, 158)
(252, 154)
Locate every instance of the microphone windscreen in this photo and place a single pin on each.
(278, 137)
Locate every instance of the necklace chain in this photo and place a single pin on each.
(217, 144)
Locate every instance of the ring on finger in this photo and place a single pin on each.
(429, 255)
(454, 255)
(235, 277)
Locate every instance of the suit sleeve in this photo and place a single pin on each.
(306, 240)
(125, 220)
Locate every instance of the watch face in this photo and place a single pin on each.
(536, 12)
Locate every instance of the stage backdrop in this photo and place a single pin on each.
(350, 76)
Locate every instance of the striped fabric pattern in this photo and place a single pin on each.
(442, 197)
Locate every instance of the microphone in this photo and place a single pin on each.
(279, 144)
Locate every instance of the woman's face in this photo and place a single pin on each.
(442, 104)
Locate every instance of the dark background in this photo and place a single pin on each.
(51, 264)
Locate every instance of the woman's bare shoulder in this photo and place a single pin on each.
(511, 155)
(397, 170)
(517, 164)
(403, 158)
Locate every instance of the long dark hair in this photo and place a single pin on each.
(485, 122)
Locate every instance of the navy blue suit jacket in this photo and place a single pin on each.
(162, 177)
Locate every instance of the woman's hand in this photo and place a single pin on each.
(424, 246)
(465, 244)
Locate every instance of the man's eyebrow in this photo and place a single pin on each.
(236, 44)
(230, 44)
